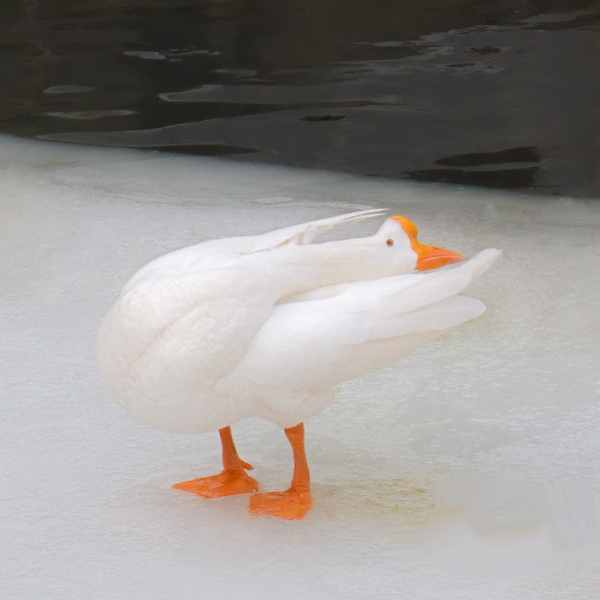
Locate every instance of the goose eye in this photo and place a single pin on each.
(390, 242)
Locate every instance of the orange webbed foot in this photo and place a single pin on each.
(291, 504)
(226, 483)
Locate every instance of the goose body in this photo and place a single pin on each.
(269, 325)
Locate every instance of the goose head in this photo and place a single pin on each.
(399, 234)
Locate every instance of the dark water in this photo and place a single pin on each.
(502, 94)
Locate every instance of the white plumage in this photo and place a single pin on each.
(269, 325)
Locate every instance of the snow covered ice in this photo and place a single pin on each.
(468, 470)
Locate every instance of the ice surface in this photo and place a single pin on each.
(469, 470)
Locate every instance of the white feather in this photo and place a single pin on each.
(268, 325)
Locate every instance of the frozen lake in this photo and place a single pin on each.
(469, 470)
(493, 93)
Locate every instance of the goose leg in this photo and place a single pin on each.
(232, 480)
(295, 502)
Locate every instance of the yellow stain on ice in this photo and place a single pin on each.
(404, 500)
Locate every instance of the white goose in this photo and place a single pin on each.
(268, 326)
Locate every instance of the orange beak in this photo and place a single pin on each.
(428, 257)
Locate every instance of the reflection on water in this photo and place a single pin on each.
(487, 169)
(496, 93)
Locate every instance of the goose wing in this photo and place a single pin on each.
(313, 345)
